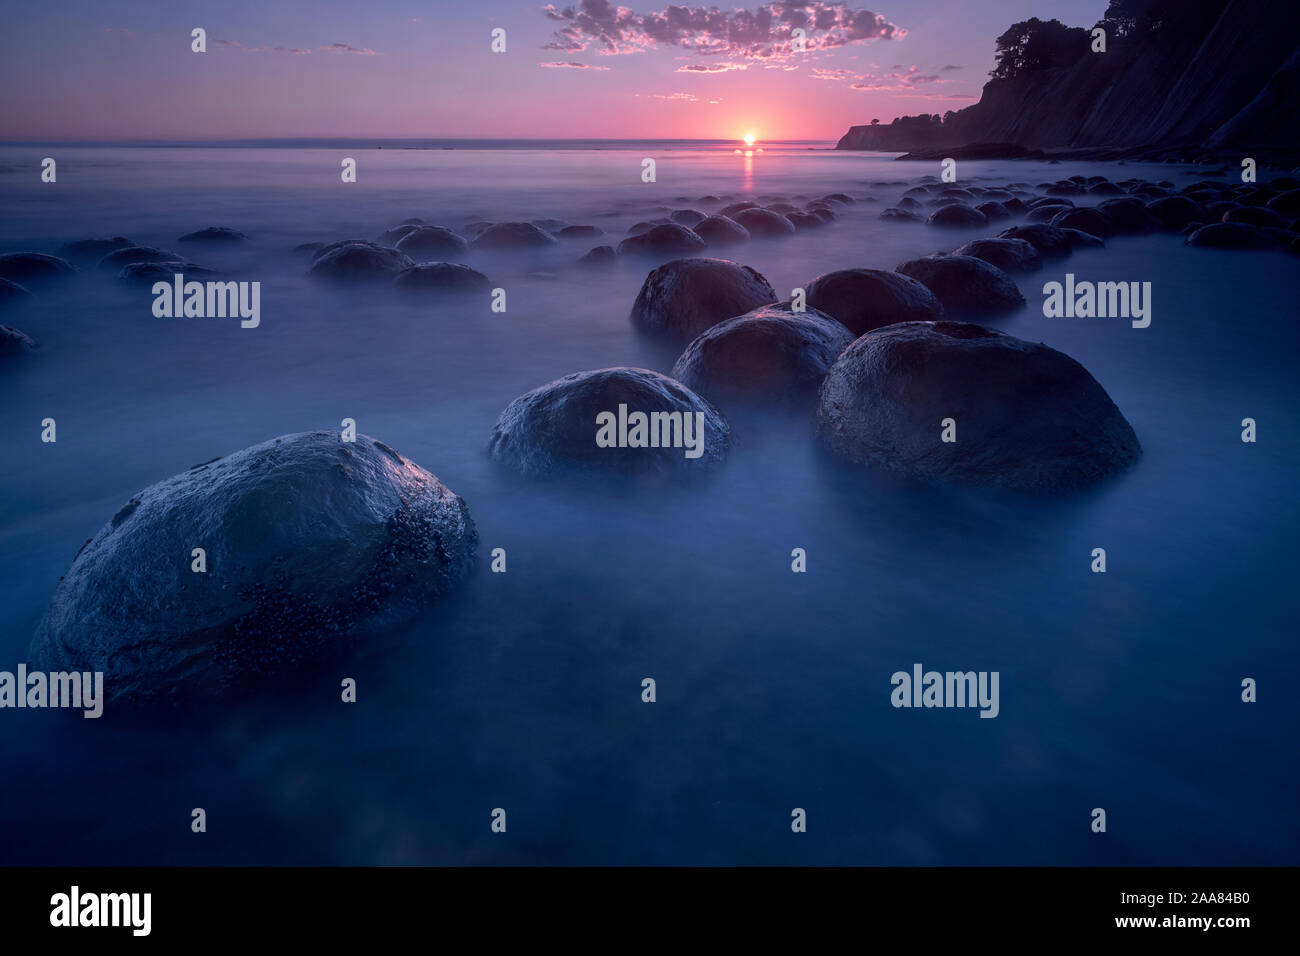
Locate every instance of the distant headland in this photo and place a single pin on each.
(1178, 80)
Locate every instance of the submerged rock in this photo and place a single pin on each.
(150, 272)
(1250, 215)
(122, 257)
(598, 256)
(764, 222)
(682, 298)
(11, 293)
(667, 238)
(1009, 255)
(512, 235)
(14, 342)
(442, 277)
(356, 260)
(957, 216)
(687, 217)
(424, 242)
(866, 299)
(1084, 218)
(770, 354)
(395, 235)
(1175, 212)
(566, 426)
(1130, 216)
(214, 234)
(1050, 241)
(899, 215)
(966, 285)
(1027, 416)
(580, 232)
(309, 541)
(83, 250)
(1231, 235)
(721, 231)
(33, 266)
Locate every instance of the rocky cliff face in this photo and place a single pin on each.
(1231, 79)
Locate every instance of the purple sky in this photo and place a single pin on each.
(124, 70)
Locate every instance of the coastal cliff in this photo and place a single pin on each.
(1222, 73)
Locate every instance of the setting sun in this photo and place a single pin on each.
(749, 139)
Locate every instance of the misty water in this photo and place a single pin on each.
(523, 690)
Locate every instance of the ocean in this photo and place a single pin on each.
(522, 691)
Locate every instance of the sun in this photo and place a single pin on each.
(749, 139)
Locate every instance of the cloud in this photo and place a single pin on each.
(680, 97)
(573, 66)
(762, 33)
(820, 74)
(347, 48)
(945, 69)
(712, 67)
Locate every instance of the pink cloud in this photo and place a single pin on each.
(712, 67)
(573, 66)
(763, 33)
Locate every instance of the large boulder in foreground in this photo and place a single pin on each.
(358, 260)
(771, 354)
(1027, 417)
(588, 422)
(682, 298)
(866, 299)
(966, 285)
(309, 541)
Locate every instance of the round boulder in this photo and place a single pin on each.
(770, 354)
(1231, 235)
(615, 421)
(764, 222)
(667, 238)
(84, 250)
(1250, 215)
(1027, 417)
(721, 231)
(1049, 241)
(14, 342)
(358, 261)
(682, 298)
(1086, 219)
(866, 299)
(441, 277)
(958, 216)
(1009, 255)
(425, 242)
(33, 266)
(11, 293)
(124, 257)
(512, 235)
(966, 285)
(1175, 212)
(217, 234)
(1130, 216)
(309, 541)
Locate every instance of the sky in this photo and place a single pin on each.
(123, 69)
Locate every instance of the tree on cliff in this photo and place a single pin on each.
(1036, 44)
